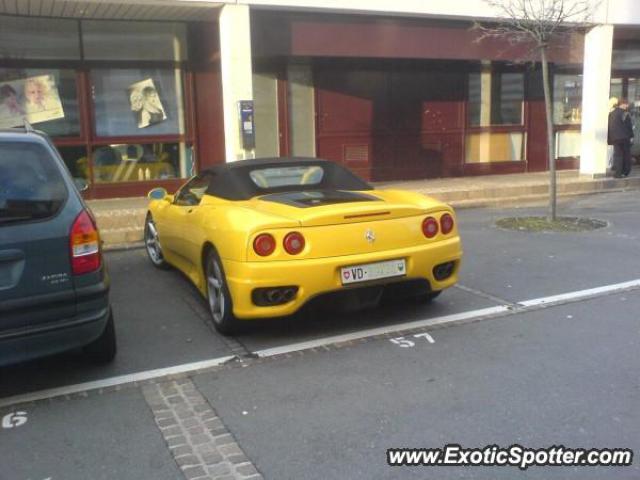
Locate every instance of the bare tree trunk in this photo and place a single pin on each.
(550, 146)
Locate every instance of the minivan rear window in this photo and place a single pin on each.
(31, 184)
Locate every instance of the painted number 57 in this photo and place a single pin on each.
(402, 342)
(406, 343)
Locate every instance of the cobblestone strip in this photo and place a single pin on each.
(198, 440)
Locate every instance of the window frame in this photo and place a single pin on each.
(572, 72)
(521, 128)
(562, 127)
(499, 128)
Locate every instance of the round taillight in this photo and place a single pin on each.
(293, 243)
(264, 244)
(446, 223)
(430, 227)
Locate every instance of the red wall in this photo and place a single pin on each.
(209, 117)
(374, 37)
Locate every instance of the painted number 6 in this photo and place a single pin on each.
(15, 419)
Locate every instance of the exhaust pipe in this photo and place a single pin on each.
(266, 297)
(444, 270)
(289, 294)
(275, 296)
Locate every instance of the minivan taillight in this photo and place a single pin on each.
(84, 243)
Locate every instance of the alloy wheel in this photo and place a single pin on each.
(152, 242)
(215, 290)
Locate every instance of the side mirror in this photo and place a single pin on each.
(81, 184)
(157, 194)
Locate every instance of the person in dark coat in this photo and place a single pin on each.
(620, 135)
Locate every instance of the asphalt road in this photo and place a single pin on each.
(558, 375)
(562, 376)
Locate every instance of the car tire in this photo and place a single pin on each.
(428, 297)
(218, 296)
(152, 244)
(103, 349)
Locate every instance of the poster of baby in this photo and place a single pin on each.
(35, 99)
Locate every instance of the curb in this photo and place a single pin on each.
(122, 247)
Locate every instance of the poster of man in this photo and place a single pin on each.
(146, 103)
(35, 99)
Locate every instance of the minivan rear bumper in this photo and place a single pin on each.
(34, 341)
(55, 337)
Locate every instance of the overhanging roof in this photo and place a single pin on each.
(177, 10)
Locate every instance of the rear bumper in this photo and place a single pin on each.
(34, 341)
(318, 276)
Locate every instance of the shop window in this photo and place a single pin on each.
(137, 101)
(616, 88)
(134, 162)
(627, 58)
(29, 38)
(47, 98)
(75, 158)
(568, 144)
(495, 98)
(633, 88)
(147, 41)
(567, 99)
(488, 147)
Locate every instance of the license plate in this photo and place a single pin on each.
(373, 271)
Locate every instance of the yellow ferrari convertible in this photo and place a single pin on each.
(261, 238)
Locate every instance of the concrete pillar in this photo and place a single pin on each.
(598, 48)
(236, 72)
(486, 91)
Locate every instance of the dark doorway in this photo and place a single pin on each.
(392, 119)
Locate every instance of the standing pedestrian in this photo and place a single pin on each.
(628, 123)
(620, 133)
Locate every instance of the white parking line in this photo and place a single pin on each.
(188, 368)
(114, 381)
(577, 295)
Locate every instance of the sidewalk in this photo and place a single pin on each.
(121, 220)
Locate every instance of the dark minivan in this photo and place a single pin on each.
(54, 287)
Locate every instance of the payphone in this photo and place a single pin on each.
(247, 124)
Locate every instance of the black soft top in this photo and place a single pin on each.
(232, 181)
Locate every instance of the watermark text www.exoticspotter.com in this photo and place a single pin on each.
(515, 456)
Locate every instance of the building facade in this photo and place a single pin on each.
(147, 92)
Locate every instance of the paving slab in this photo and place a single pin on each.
(110, 436)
